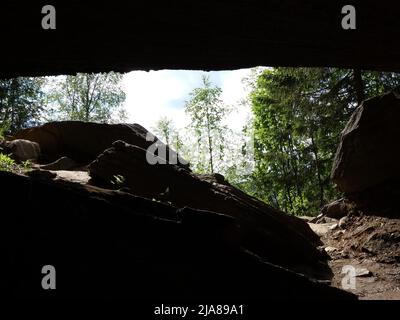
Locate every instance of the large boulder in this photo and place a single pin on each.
(110, 244)
(335, 210)
(280, 238)
(368, 154)
(84, 141)
(22, 150)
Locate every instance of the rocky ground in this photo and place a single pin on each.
(371, 244)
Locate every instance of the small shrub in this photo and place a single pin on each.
(6, 163)
(27, 165)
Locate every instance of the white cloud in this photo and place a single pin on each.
(155, 94)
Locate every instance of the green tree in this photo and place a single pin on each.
(298, 116)
(207, 111)
(89, 97)
(21, 103)
(166, 131)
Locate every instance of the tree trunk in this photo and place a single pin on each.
(210, 147)
(317, 167)
(294, 165)
(87, 114)
(288, 195)
(358, 85)
(211, 153)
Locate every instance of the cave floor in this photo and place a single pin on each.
(371, 245)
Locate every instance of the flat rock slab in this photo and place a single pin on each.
(73, 176)
(322, 228)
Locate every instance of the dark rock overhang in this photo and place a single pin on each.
(125, 35)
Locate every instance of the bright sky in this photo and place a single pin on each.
(155, 94)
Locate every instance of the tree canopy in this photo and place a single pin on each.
(89, 97)
(298, 116)
(21, 103)
(207, 111)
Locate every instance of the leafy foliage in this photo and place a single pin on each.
(166, 131)
(21, 103)
(6, 163)
(9, 164)
(299, 114)
(88, 97)
(27, 165)
(206, 111)
(4, 128)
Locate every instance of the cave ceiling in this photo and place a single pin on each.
(198, 35)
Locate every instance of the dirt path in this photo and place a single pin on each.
(370, 245)
(382, 282)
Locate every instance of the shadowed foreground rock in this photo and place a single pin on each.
(275, 236)
(107, 244)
